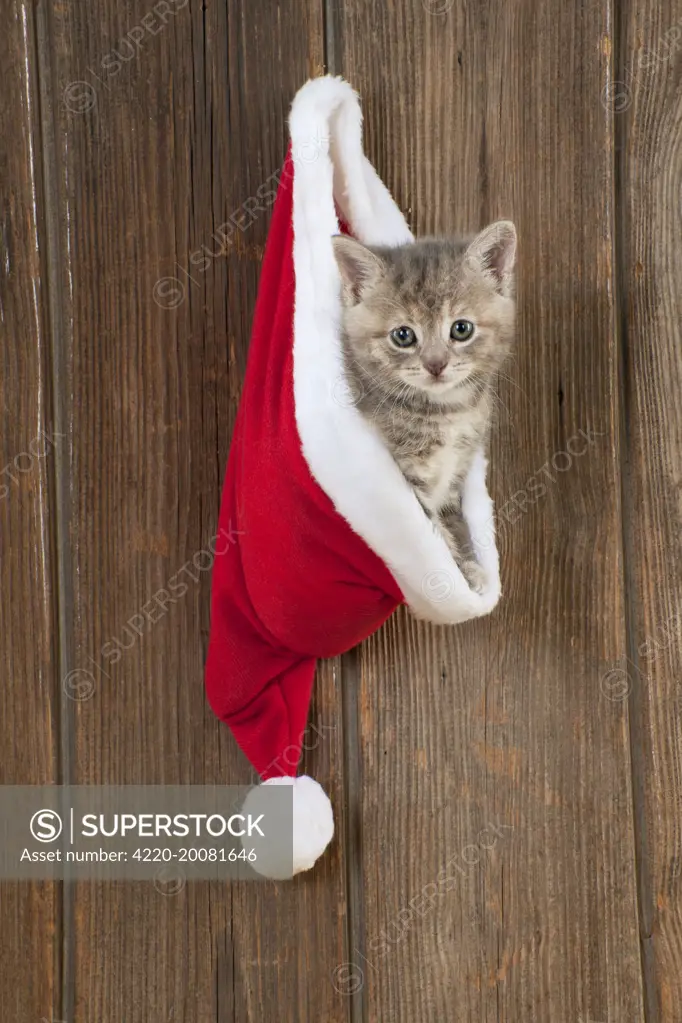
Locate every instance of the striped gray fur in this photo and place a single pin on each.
(426, 387)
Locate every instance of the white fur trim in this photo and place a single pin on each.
(344, 452)
(313, 829)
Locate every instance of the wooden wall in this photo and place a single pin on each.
(534, 758)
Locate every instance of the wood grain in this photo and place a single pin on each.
(30, 914)
(477, 112)
(648, 120)
(507, 793)
(160, 147)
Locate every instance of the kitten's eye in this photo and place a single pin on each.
(403, 337)
(461, 330)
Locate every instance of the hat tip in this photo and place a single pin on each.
(313, 828)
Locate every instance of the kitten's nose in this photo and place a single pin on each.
(435, 366)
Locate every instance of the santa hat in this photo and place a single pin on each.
(326, 537)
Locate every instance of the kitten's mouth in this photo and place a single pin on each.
(439, 383)
(446, 388)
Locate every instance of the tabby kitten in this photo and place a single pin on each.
(425, 328)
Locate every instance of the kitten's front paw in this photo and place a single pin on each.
(474, 575)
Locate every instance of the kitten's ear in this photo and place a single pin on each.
(358, 266)
(494, 251)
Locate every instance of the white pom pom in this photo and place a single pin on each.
(313, 829)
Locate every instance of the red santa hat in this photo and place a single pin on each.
(326, 537)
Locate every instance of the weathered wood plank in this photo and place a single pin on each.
(166, 131)
(475, 112)
(30, 946)
(647, 109)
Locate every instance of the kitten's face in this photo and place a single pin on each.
(436, 315)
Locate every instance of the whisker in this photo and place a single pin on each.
(389, 394)
(514, 383)
(497, 401)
